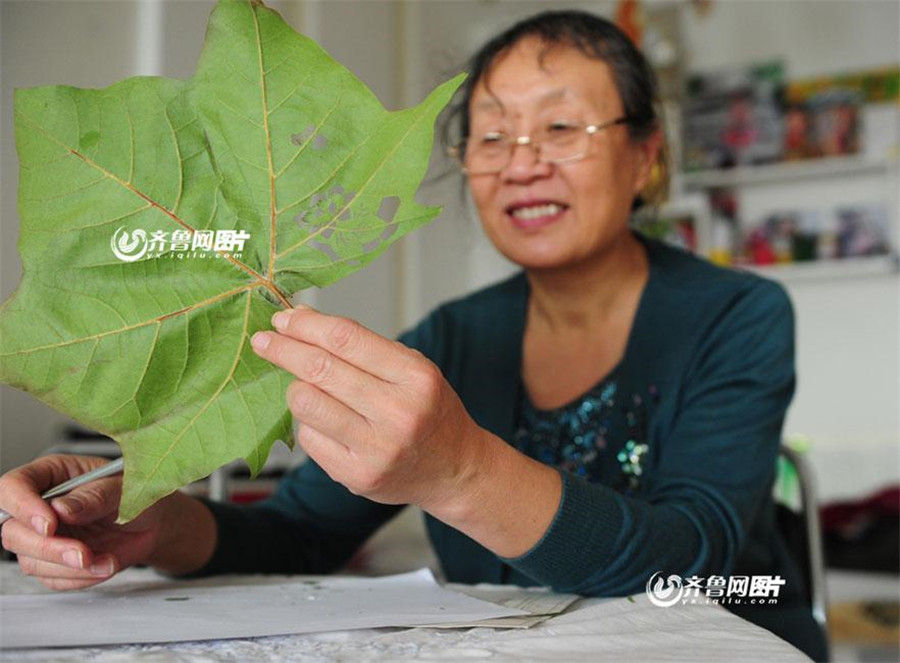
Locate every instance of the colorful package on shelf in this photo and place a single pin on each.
(826, 124)
(873, 87)
(824, 113)
(848, 231)
(862, 230)
(782, 237)
(734, 117)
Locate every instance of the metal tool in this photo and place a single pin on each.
(107, 470)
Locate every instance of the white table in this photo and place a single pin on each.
(591, 630)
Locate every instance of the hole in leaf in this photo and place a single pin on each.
(325, 207)
(326, 249)
(346, 215)
(388, 208)
(309, 218)
(302, 137)
(385, 235)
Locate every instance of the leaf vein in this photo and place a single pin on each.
(140, 380)
(130, 141)
(263, 91)
(187, 354)
(343, 259)
(237, 263)
(144, 323)
(210, 401)
(289, 95)
(315, 132)
(236, 69)
(65, 194)
(238, 113)
(87, 366)
(177, 147)
(359, 191)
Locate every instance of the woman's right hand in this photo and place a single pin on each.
(73, 542)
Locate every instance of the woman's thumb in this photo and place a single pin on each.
(89, 503)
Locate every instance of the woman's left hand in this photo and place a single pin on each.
(377, 416)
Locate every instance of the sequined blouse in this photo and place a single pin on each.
(601, 435)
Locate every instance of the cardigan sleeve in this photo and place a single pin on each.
(311, 524)
(713, 470)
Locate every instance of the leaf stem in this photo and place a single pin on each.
(271, 287)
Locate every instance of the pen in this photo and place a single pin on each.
(107, 470)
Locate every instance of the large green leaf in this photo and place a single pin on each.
(271, 137)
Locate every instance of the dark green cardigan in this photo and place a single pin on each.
(707, 376)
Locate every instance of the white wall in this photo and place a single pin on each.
(815, 37)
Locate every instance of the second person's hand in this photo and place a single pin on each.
(73, 542)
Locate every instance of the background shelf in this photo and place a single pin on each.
(786, 172)
(818, 270)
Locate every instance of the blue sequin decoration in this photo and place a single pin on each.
(574, 437)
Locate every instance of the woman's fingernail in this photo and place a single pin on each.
(41, 525)
(280, 320)
(73, 558)
(71, 505)
(102, 568)
(260, 341)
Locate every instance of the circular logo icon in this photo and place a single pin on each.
(128, 248)
(664, 595)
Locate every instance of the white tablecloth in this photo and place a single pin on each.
(591, 630)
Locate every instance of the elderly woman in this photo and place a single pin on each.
(611, 412)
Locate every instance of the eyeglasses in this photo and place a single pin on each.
(557, 142)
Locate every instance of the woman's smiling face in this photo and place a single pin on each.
(543, 215)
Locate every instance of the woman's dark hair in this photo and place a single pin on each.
(596, 38)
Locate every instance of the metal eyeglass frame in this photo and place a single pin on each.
(457, 151)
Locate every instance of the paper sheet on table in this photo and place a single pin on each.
(540, 605)
(184, 611)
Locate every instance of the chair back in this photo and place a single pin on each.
(808, 536)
